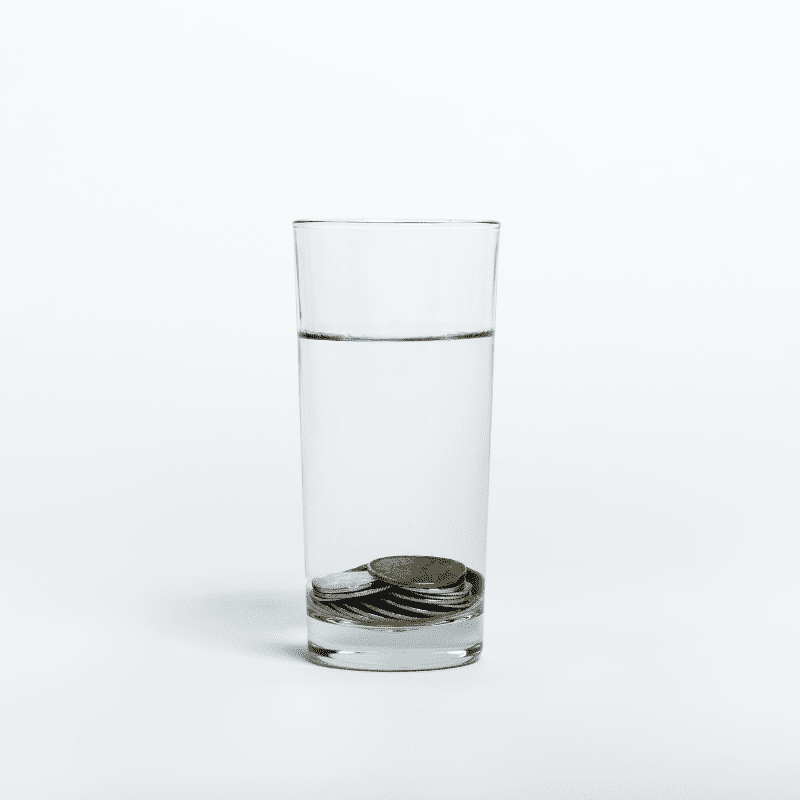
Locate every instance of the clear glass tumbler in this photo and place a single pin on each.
(396, 345)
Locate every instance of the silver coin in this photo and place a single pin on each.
(341, 611)
(402, 605)
(332, 614)
(432, 599)
(392, 614)
(347, 582)
(352, 616)
(328, 597)
(424, 611)
(361, 612)
(431, 592)
(455, 589)
(429, 596)
(445, 606)
(426, 593)
(427, 602)
(423, 572)
(438, 608)
(430, 604)
(354, 612)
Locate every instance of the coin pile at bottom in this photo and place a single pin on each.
(396, 588)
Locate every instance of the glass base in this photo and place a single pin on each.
(397, 648)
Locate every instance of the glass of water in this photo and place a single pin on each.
(396, 344)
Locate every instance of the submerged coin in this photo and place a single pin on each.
(330, 596)
(344, 582)
(430, 604)
(434, 597)
(418, 572)
(410, 590)
(345, 610)
(362, 613)
(394, 614)
(426, 612)
(451, 587)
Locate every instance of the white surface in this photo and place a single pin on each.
(642, 625)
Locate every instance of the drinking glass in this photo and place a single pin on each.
(396, 342)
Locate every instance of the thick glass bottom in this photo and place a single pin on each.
(396, 648)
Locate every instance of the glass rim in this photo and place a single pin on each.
(299, 223)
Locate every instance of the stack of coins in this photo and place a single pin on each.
(396, 588)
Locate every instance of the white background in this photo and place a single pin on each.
(643, 635)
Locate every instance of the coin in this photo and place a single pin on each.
(386, 612)
(425, 595)
(327, 597)
(342, 611)
(453, 587)
(344, 582)
(421, 594)
(434, 594)
(403, 607)
(418, 572)
(432, 609)
(363, 613)
(430, 603)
